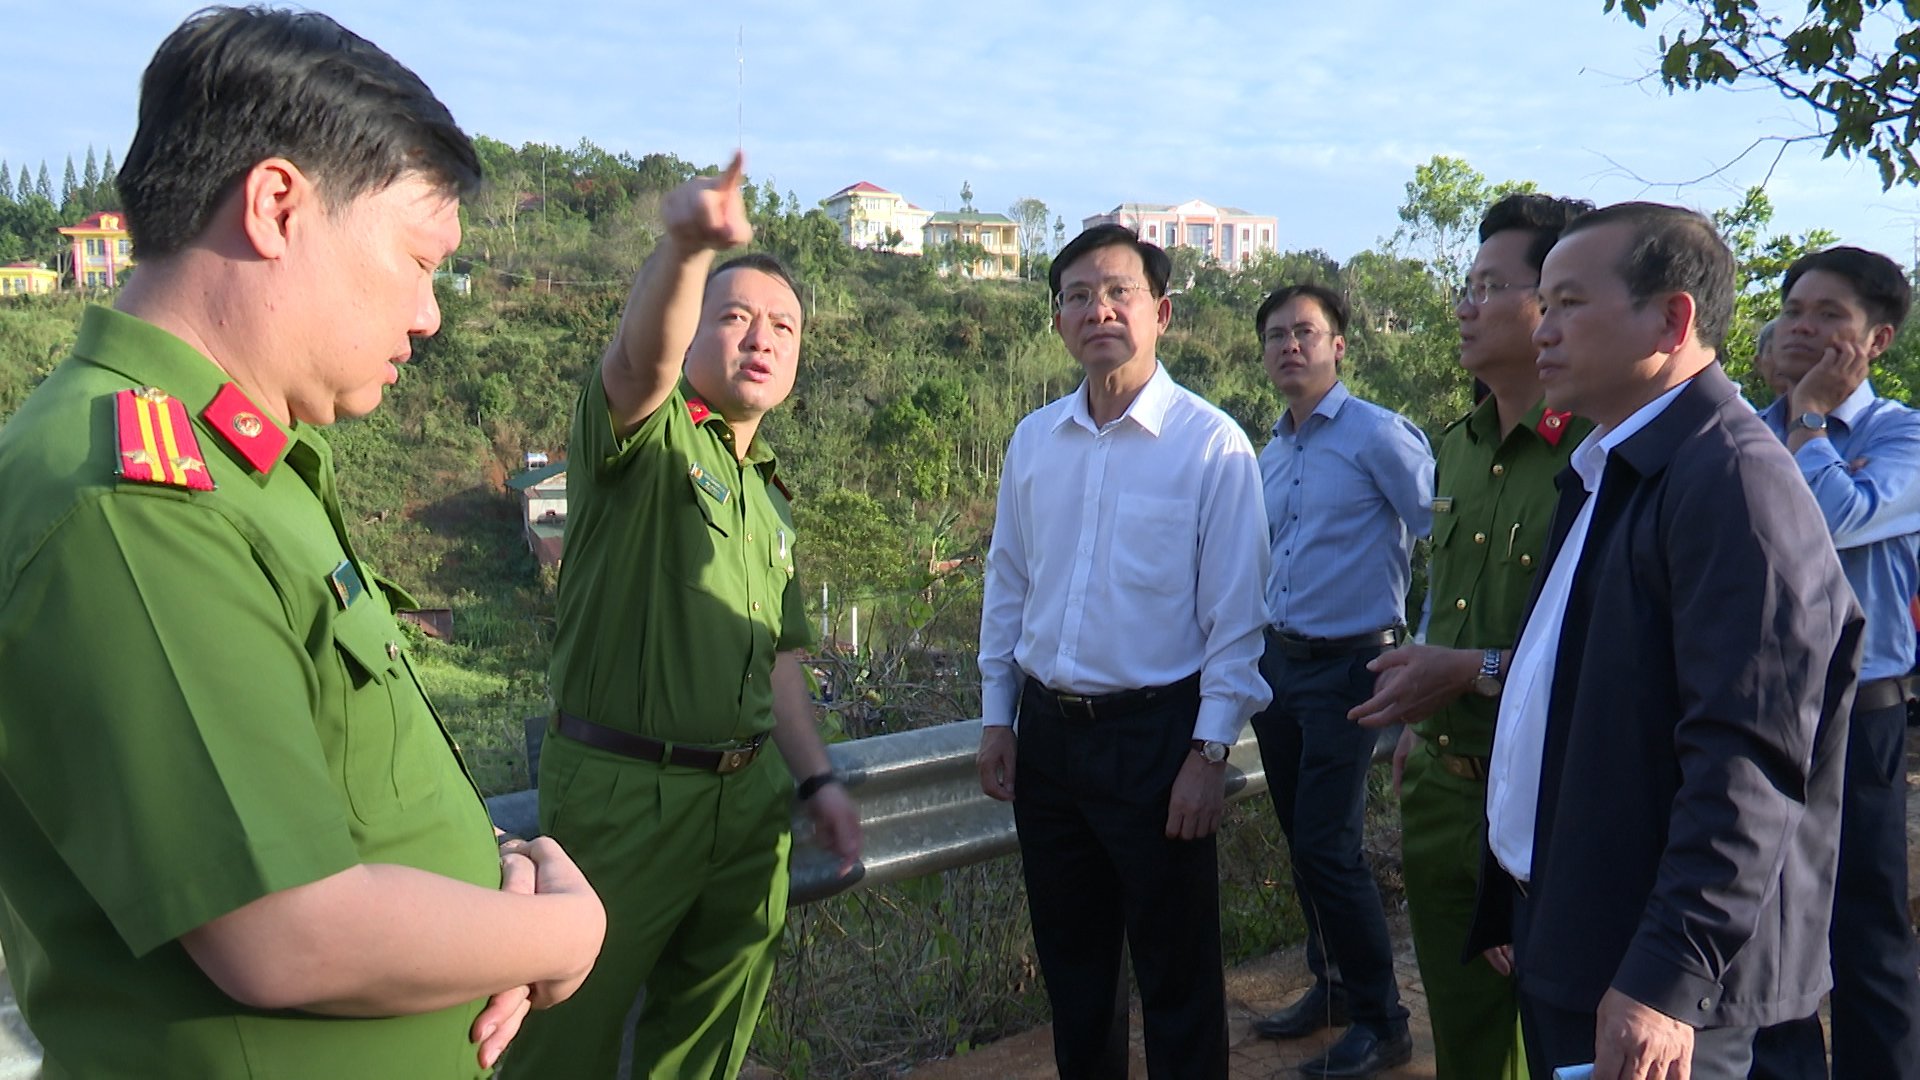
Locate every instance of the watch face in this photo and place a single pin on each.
(1485, 686)
(1213, 752)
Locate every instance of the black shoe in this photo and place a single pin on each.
(1363, 1051)
(1318, 1008)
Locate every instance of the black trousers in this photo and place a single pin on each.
(1317, 762)
(1090, 805)
(1876, 965)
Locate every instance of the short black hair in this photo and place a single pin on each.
(756, 260)
(1330, 302)
(1672, 249)
(1542, 215)
(232, 87)
(1159, 268)
(1882, 289)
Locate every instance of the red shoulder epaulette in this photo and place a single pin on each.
(697, 410)
(156, 441)
(1552, 426)
(245, 427)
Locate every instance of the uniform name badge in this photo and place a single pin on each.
(1443, 504)
(714, 489)
(346, 583)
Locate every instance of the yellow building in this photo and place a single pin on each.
(991, 243)
(870, 216)
(102, 251)
(18, 279)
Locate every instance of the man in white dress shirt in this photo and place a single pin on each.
(1120, 635)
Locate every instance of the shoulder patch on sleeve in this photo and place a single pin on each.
(155, 441)
(697, 411)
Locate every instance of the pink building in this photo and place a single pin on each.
(1227, 234)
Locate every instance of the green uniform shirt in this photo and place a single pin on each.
(1493, 501)
(194, 717)
(677, 586)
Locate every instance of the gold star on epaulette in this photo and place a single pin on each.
(137, 457)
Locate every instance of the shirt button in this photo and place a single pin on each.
(1296, 483)
(1460, 605)
(1499, 470)
(749, 538)
(756, 605)
(393, 651)
(1706, 1003)
(1526, 560)
(1479, 538)
(1444, 740)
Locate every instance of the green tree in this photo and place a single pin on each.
(1864, 93)
(966, 197)
(90, 177)
(69, 189)
(1059, 233)
(1440, 219)
(1030, 214)
(43, 186)
(6, 183)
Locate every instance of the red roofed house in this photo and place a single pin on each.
(868, 213)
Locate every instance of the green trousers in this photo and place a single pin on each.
(692, 869)
(1474, 1010)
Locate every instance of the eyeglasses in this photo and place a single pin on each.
(1304, 333)
(1478, 293)
(1115, 294)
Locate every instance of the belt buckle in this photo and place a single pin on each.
(1076, 701)
(732, 761)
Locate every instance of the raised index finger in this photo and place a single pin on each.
(736, 169)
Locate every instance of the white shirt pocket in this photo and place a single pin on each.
(1153, 544)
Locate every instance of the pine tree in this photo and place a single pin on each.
(110, 181)
(69, 188)
(43, 186)
(90, 179)
(6, 183)
(25, 186)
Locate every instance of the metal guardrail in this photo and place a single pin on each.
(921, 808)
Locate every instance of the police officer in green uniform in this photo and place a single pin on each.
(235, 840)
(675, 671)
(1493, 501)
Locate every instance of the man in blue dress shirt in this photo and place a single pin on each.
(1841, 309)
(1348, 487)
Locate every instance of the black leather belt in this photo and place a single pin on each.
(722, 760)
(1876, 694)
(1296, 647)
(1118, 703)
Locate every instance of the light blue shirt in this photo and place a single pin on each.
(1346, 495)
(1866, 477)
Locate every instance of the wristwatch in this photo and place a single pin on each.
(1487, 682)
(1213, 753)
(1811, 421)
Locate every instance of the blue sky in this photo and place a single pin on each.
(1315, 113)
